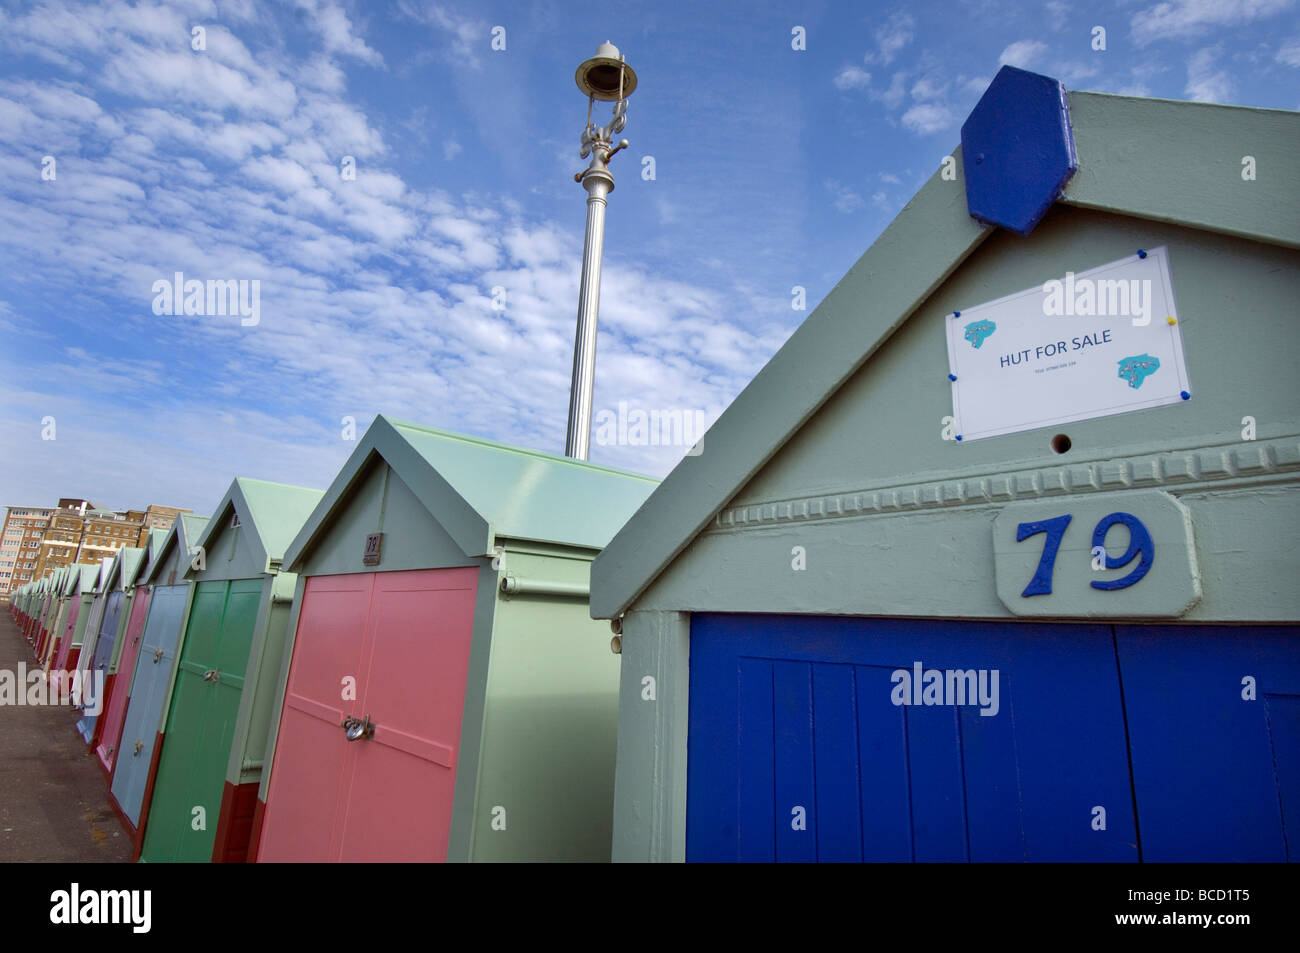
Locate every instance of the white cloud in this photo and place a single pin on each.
(1206, 83)
(450, 149)
(1289, 52)
(891, 36)
(929, 87)
(335, 29)
(928, 118)
(894, 95)
(1023, 54)
(1179, 19)
(843, 198)
(468, 37)
(852, 77)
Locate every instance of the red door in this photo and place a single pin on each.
(404, 638)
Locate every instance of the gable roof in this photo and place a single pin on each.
(480, 490)
(85, 580)
(125, 566)
(272, 512)
(152, 545)
(184, 532)
(1155, 159)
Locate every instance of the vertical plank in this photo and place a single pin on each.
(996, 831)
(938, 788)
(886, 808)
(835, 751)
(756, 834)
(796, 789)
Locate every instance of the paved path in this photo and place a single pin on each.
(53, 798)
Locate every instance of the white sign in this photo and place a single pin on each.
(1085, 345)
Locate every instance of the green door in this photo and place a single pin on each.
(201, 722)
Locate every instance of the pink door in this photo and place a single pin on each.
(116, 711)
(62, 636)
(405, 638)
(65, 644)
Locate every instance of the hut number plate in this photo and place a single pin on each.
(1126, 554)
(374, 546)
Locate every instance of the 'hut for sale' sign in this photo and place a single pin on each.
(1084, 345)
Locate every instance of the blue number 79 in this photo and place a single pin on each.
(1140, 545)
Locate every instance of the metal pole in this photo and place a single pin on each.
(598, 182)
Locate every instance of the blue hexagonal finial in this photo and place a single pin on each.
(1017, 150)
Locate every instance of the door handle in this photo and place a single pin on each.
(357, 729)
(211, 675)
(157, 656)
(139, 746)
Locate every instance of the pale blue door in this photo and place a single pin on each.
(153, 669)
(99, 663)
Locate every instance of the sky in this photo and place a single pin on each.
(398, 180)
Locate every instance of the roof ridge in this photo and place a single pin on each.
(512, 448)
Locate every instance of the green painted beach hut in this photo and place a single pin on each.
(226, 674)
(49, 624)
(996, 558)
(445, 694)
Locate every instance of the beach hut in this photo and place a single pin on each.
(228, 664)
(110, 598)
(54, 585)
(58, 580)
(91, 614)
(135, 763)
(445, 695)
(37, 629)
(996, 558)
(120, 587)
(40, 590)
(121, 666)
(52, 611)
(81, 581)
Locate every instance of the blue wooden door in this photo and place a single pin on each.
(1214, 728)
(103, 650)
(803, 745)
(153, 670)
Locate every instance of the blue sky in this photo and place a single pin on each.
(774, 167)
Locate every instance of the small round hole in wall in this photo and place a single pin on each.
(1060, 443)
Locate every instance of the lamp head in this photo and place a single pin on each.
(599, 76)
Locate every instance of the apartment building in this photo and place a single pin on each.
(63, 535)
(75, 531)
(20, 545)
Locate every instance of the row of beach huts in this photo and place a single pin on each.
(414, 646)
(961, 574)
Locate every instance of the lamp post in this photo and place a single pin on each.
(608, 78)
